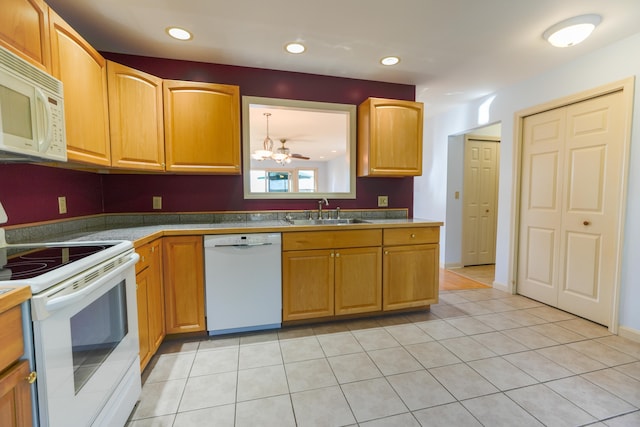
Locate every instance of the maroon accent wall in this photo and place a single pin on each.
(182, 193)
(29, 192)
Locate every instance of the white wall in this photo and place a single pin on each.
(615, 62)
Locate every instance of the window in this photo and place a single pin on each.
(283, 181)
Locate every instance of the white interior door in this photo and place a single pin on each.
(480, 200)
(570, 206)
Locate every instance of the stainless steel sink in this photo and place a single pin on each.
(341, 221)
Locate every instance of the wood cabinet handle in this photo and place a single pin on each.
(586, 222)
(31, 378)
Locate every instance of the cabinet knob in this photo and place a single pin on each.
(332, 254)
(386, 252)
(413, 236)
(31, 378)
(338, 255)
(586, 222)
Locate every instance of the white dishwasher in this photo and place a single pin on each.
(243, 282)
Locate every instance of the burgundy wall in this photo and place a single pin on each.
(29, 192)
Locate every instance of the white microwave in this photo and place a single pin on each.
(31, 112)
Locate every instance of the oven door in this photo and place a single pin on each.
(86, 343)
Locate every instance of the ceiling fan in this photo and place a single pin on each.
(281, 154)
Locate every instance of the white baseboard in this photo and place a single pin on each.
(629, 333)
(453, 265)
(501, 287)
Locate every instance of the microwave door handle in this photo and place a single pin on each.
(44, 142)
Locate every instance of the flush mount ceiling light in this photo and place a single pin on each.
(179, 33)
(571, 31)
(295, 47)
(390, 60)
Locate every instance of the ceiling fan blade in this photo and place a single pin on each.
(299, 156)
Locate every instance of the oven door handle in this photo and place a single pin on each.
(56, 303)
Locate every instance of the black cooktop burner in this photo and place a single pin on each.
(35, 262)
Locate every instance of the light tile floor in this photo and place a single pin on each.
(479, 357)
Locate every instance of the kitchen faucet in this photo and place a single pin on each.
(320, 202)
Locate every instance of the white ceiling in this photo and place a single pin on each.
(452, 50)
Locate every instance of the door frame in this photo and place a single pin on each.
(626, 86)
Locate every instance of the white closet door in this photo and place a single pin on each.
(570, 206)
(541, 205)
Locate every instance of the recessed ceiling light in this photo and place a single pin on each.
(571, 31)
(179, 33)
(390, 60)
(295, 47)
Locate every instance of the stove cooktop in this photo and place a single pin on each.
(38, 261)
(42, 266)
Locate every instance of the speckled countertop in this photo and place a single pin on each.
(143, 234)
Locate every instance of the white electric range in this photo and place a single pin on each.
(81, 326)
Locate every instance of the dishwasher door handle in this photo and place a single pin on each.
(243, 245)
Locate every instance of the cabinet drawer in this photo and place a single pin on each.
(11, 336)
(145, 257)
(411, 236)
(303, 240)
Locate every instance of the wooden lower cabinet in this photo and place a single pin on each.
(307, 284)
(324, 282)
(410, 268)
(150, 294)
(183, 274)
(358, 280)
(15, 396)
(15, 376)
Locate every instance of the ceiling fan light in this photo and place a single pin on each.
(179, 33)
(571, 31)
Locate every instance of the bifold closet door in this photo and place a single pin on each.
(570, 206)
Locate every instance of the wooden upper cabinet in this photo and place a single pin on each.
(24, 30)
(202, 127)
(390, 138)
(83, 72)
(135, 118)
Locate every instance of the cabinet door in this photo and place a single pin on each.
(183, 273)
(307, 284)
(358, 280)
(202, 127)
(135, 118)
(15, 396)
(142, 295)
(155, 297)
(83, 72)
(410, 276)
(390, 138)
(24, 30)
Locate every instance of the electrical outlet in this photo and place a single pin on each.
(157, 202)
(383, 201)
(62, 205)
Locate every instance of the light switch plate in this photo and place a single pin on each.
(62, 205)
(383, 201)
(157, 202)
